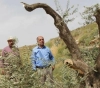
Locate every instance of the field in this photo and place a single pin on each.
(64, 77)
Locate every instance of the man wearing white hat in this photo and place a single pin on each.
(11, 57)
(10, 48)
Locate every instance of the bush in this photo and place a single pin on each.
(49, 44)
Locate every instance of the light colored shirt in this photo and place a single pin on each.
(41, 57)
(7, 50)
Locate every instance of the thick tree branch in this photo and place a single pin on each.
(77, 65)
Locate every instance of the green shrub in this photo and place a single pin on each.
(49, 44)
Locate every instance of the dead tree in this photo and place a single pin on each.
(92, 80)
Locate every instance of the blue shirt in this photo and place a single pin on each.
(41, 57)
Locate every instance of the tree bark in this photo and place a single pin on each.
(97, 16)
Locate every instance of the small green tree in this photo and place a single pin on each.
(92, 14)
(66, 15)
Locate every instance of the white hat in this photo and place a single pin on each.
(11, 38)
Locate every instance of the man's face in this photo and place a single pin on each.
(11, 42)
(40, 41)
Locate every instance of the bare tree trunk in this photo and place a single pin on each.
(97, 16)
(97, 74)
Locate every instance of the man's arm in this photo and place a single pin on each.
(3, 53)
(33, 57)
(52, 59)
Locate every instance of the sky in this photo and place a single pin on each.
(26, 26)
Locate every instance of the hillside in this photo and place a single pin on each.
(82, 36)
(64, 77)
(85, 34)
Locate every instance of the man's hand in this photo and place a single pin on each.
(53, 67)
(34, 69)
